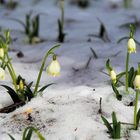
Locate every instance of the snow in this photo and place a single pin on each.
(69, 109)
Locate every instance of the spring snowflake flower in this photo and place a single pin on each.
(113, 76)
(131, 46)
(2, 74)
(1, 52)
(137, 82)
(54, 68)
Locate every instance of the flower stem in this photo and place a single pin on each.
(135, 109)
(13, 77)
(126, 78)
(41, 68)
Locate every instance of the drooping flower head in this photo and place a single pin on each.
(113, 76)
(137, 82)
(54, 67)
(131, 46)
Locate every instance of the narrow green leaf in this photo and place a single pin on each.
(44, 87)
(109, 68)
(30, 130)
(118, 96)
(12, 138)
(138, 118)
(114, 120)
(94, 53)
(29, 134)
(120, 75)
(12, 94)
(118, 131)
(107, 124)
(130, 77)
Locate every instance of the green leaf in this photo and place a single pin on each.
(118, 131)
(138, 118)
(28, 131)
(116, 126)
(114, 120)
(61, 35)
(12, 94)
(44, 87)
(12, 138)
(29, 134)
(30, 84)
(94, 53)
(107, 124)
(35, 24)
(28, 92)
(109, 68)
(132, 74)
(120, 75)
(118, 96)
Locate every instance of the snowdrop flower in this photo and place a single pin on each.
(131, 46)
(137, 82)
(2, 73)
(113, 76)
(1, 52)
(54, 67)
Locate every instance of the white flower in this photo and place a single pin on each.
(1, 52)
(137, 82)
(131, 46)
(54, 68)
(2, 73)
(113, 76)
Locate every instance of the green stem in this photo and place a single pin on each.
(41, 68)
(135, 109)
(13, 77)
(127, 64)
(12, 72)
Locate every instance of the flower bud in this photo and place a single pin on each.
(113, 76)
(21, 85)
(131, 46)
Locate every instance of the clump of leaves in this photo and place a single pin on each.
(27, 134)
(115, 129)
(22, 91)
(131, 76)
(102, 33)
(31, 27)
(9, 4)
